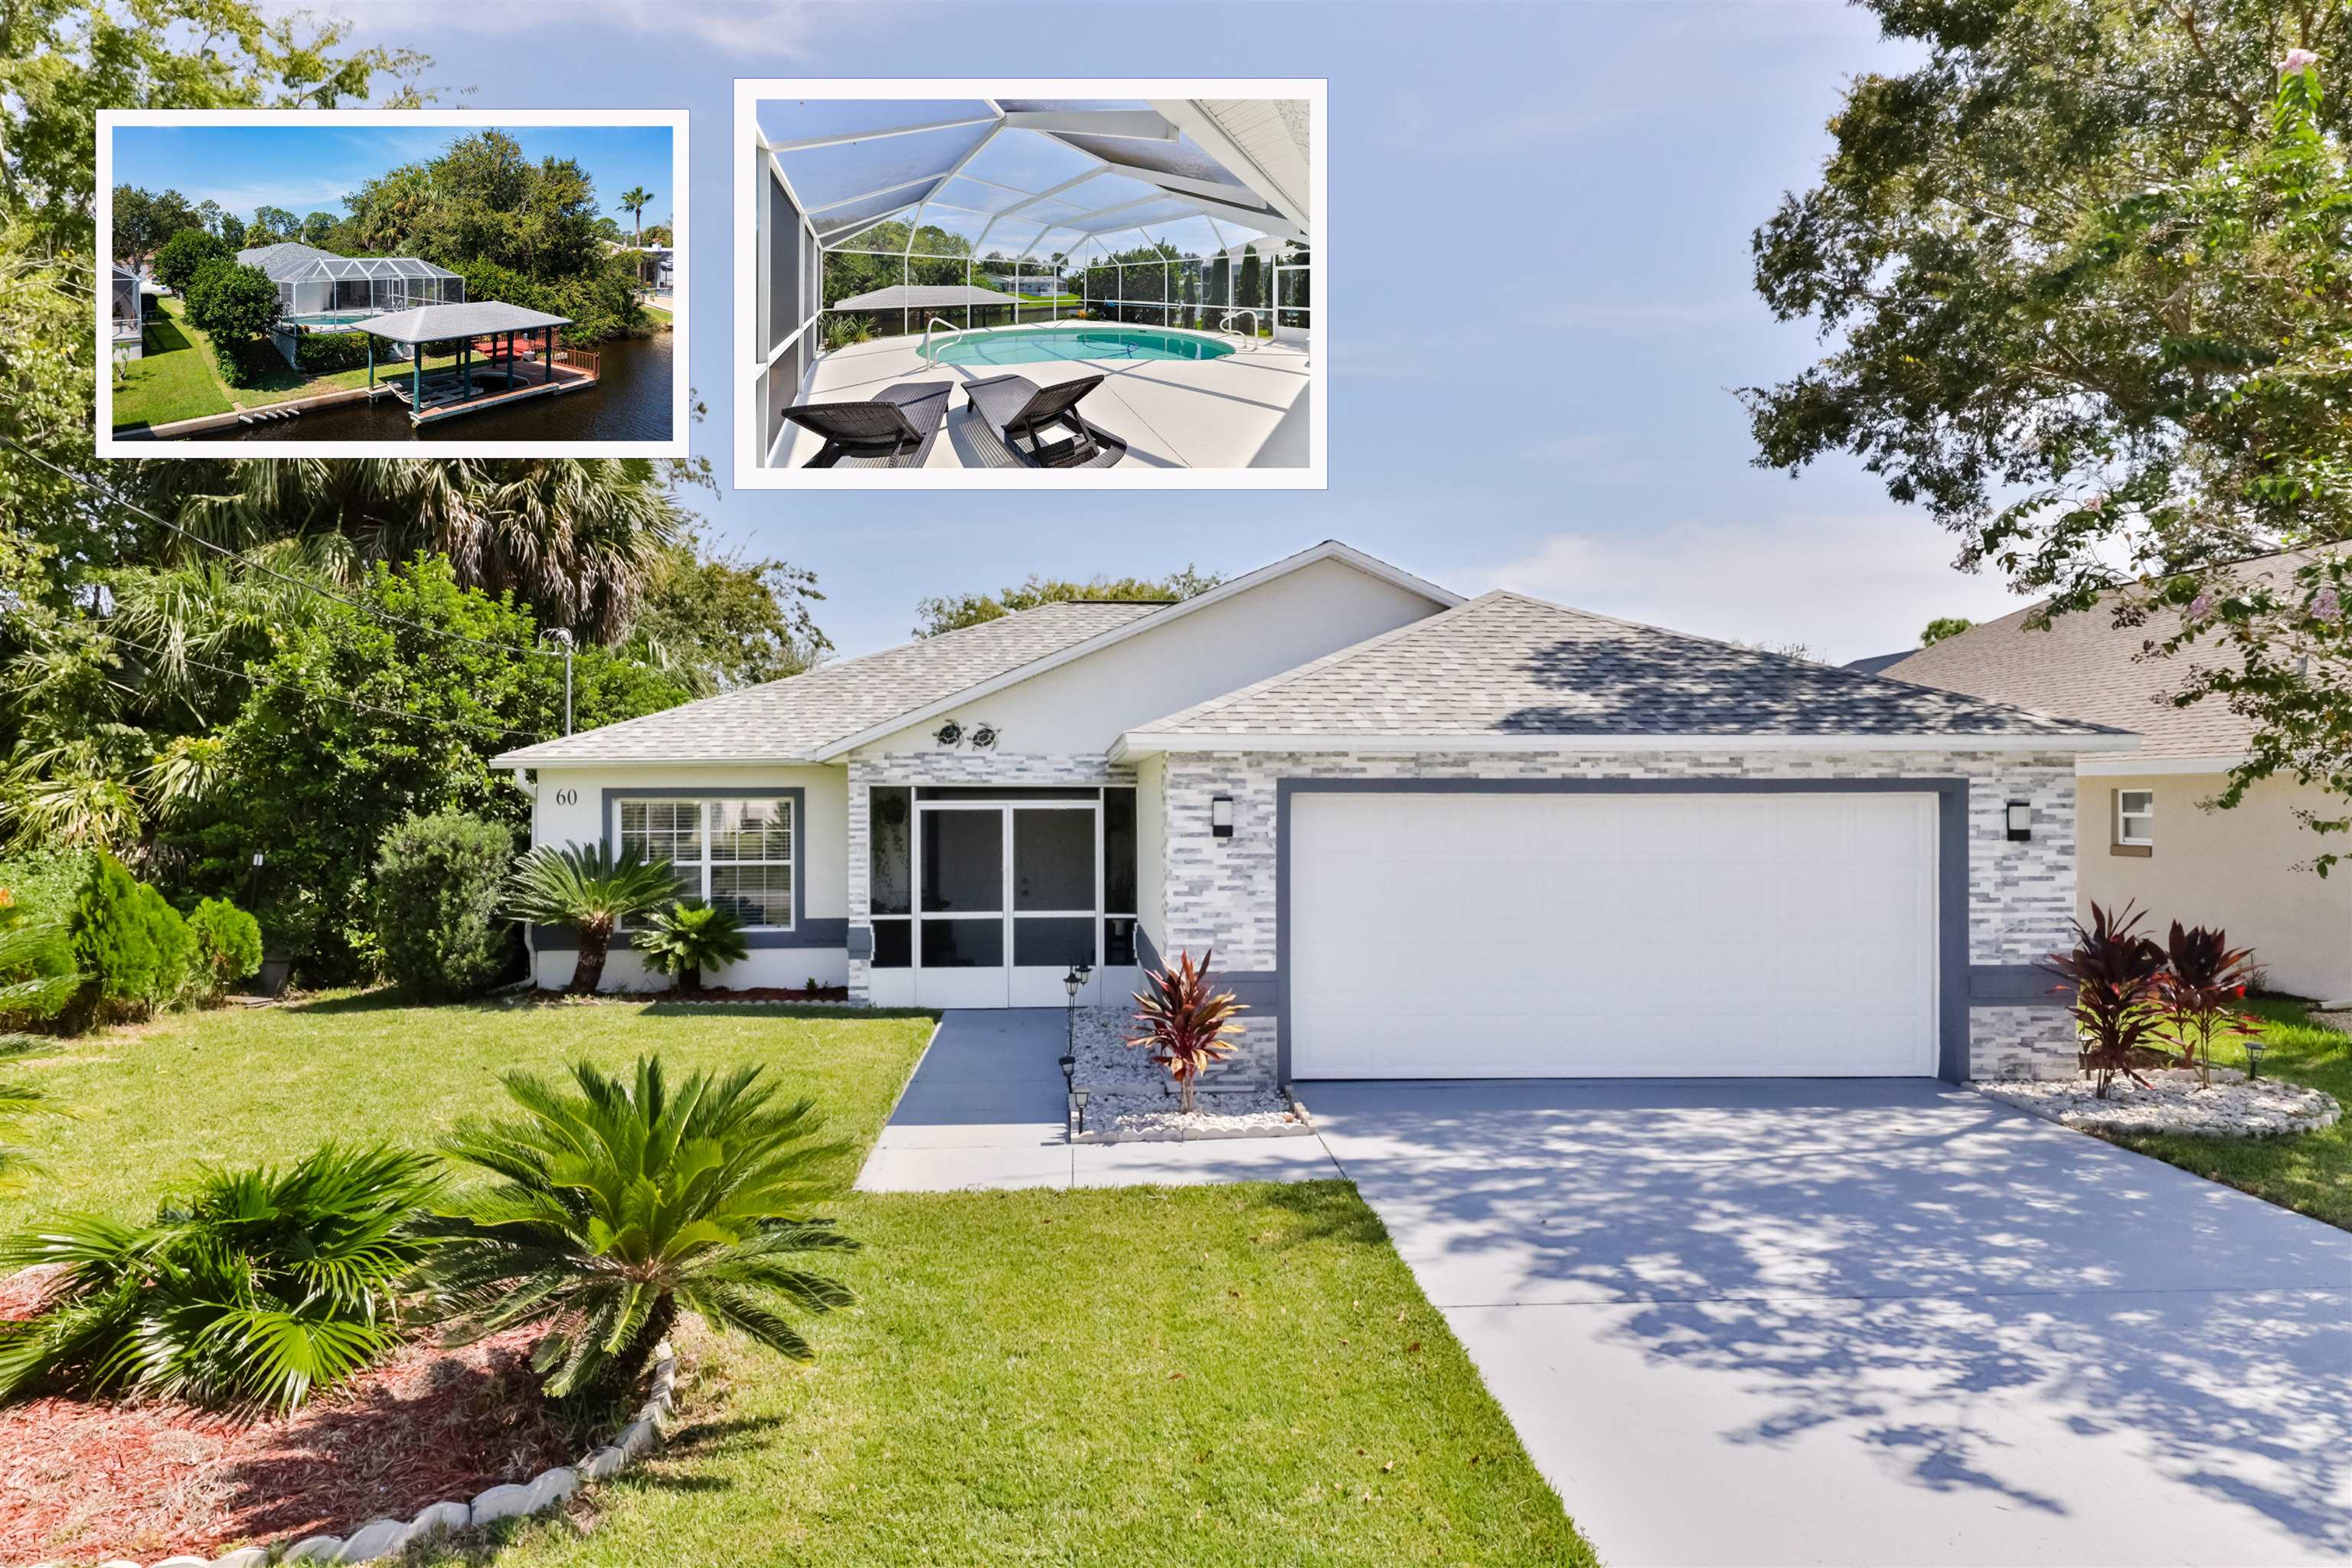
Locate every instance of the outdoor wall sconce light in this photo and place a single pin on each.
(1221, 816)
(2020, 821)
(948, 734)
(983, 737)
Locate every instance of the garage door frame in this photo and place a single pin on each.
(1951, 870)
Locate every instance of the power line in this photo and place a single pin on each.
(325, 696)
(246, 562)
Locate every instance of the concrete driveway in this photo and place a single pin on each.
(1875, 1321)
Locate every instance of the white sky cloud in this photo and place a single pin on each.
(1845, 585)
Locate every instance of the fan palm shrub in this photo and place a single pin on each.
(1187, 1022)
(2118, 1010)
(619, 1202)
(259, 1287)
(689, 937)
(2204, 976)
(583, 886)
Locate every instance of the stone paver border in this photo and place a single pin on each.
(387, 1538)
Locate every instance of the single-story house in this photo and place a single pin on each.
(1425, 836)
(2146, 832)
(127, 313)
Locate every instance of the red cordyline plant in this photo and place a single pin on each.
(2206, 976)
(2118, 1007)
(1187, 1021)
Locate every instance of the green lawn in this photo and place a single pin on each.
(1239, 1374)
(185, 382)
(2311, 1174)
(172, 379)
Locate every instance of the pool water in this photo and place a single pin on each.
(332, 319)
(1034, 345)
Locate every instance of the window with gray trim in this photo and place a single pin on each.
(734, 854)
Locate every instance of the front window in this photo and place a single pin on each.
(735, 854)
(2136, 817)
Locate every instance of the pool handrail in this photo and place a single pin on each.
(925, 353)
(1225, 323)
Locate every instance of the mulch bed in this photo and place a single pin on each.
(707, 993)
(144, 1480)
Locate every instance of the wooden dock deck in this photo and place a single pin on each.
(574, 370)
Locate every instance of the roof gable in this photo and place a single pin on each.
(1510, 668)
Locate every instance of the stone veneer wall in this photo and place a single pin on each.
(947, 765)
(1221, 892)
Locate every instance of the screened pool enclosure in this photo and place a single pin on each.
(1184, 215)
(318, 288)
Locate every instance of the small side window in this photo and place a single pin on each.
(2136, 817)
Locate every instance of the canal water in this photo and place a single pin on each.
(630, 402)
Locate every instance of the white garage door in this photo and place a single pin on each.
(1469, 935)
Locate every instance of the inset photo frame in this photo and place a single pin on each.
(1101, 284)
(410, 283)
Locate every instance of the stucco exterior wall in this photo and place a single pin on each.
(1220, 893)
(2239, 870)
(574, 805)
(1086, 705)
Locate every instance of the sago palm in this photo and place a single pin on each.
(620, 1202)
(688, 937)
(263, 1286)
(585, 888)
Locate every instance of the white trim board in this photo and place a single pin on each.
(2153, 767)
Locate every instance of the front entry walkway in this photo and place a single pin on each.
(1879, 1321)
(986, 1108)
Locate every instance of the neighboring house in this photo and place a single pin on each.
(2147, 834)
(126, 312)
(1424, 837)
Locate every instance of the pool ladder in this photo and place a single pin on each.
(1226, 325)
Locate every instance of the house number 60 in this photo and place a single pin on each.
(567, 797)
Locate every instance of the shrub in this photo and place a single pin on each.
(584, 887)
(2204, 975)
(228, 947)
(1187, 1022)
(37, 975)
(619, 1203)
(2114, 973)
(230, 300)
(262, 1286)
(436, 904)
(18, 1099)
(689, 937)
(840, 331)
(133, 950)
(323, 352)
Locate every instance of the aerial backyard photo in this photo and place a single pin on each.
(1654, 870)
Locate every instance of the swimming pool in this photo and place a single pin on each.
(332, 318)
(1034, 345)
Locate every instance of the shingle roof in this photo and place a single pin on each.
(789, 720)
(1506, 664)
(2085, 663)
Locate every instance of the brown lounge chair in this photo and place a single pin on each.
(1041, 425)
(895, 430)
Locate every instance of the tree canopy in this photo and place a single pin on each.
(953, 612)
(2081, 282)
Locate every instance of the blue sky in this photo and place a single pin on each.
(309, 168)
(1533, 207)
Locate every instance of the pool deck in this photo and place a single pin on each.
(1248, 409)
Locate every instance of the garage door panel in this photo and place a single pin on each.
(1577, 935)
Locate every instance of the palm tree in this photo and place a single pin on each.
(620, 1203)
(584, 887)
(580, 539)
(634, 201)
(691, 936)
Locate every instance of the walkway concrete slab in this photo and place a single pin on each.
(1876, 1322)
(987, 1108)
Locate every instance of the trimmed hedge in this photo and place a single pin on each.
(321, 351)
(134, 951)
(438, 882)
